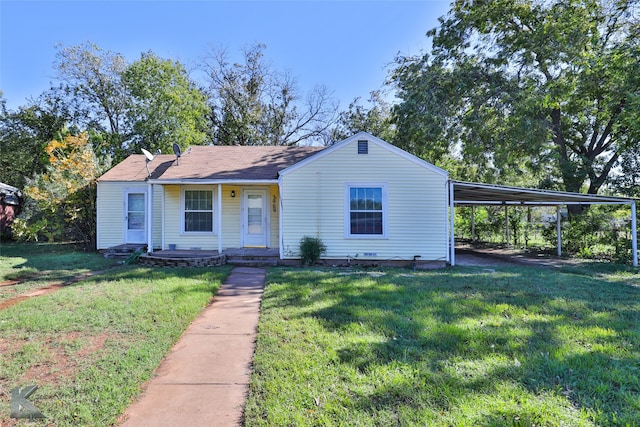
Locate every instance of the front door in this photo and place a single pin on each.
(135, 217)
(254, 218)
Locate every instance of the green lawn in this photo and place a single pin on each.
(91, 345)
(515, 346)
(47, 261)
(38, 265)
(455, 347)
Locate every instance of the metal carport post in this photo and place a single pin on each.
(463, 193)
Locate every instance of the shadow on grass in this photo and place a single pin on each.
(538, 344)
(33, 260)
(190, 276)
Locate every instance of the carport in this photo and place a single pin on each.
(463, 193)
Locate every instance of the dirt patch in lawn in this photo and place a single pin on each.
(60, 361)
(49, 288)
(10, 283)
(40, 291)
(60, 357)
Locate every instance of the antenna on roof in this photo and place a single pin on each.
(177, 152)
(149, 157)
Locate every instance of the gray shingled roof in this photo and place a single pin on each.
(212, 162)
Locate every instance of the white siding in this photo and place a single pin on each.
(173, 233)
(157, 216)
(274, 208)
(167, 211)
(110, 208)
(231, 219)
(231, 216)
(313, 204)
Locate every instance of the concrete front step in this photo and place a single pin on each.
(253, 262)
(124, 251)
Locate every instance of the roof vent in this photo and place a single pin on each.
(363, 147)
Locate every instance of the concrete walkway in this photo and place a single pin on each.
(204, 380)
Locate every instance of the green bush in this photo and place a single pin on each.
(311, 249)
(601, 232)
(134, 258)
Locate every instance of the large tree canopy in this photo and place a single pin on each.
(375, 119)
(165, 107)
(254, 105)
(90, 85)
(24, 134)
(149, 103)
(551, 87)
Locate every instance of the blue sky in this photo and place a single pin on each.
(344, 45)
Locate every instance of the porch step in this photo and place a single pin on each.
(253, 261)
(252, 257)
(124, 251)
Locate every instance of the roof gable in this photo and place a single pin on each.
(372, 139)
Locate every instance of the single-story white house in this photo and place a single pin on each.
(364, 198)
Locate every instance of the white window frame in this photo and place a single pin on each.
(183, 211)
(347, 210)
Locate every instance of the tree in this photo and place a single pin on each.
(150, 103)
(61, 200)
(253, 105)
(375, 120)
(164, 107)
(552, 87)
(628, 181)
(91, 88)
(24, 133)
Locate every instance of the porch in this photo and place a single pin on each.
(247, 257)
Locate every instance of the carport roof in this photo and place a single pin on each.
(475, 193)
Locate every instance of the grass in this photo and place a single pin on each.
(91, 345)
(515, 346)
(38, 265)
(47, 261)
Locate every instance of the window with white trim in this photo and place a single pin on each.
(365, 210)
(198, 211)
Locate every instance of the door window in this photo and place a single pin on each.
(135, 214)
(254, 214)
